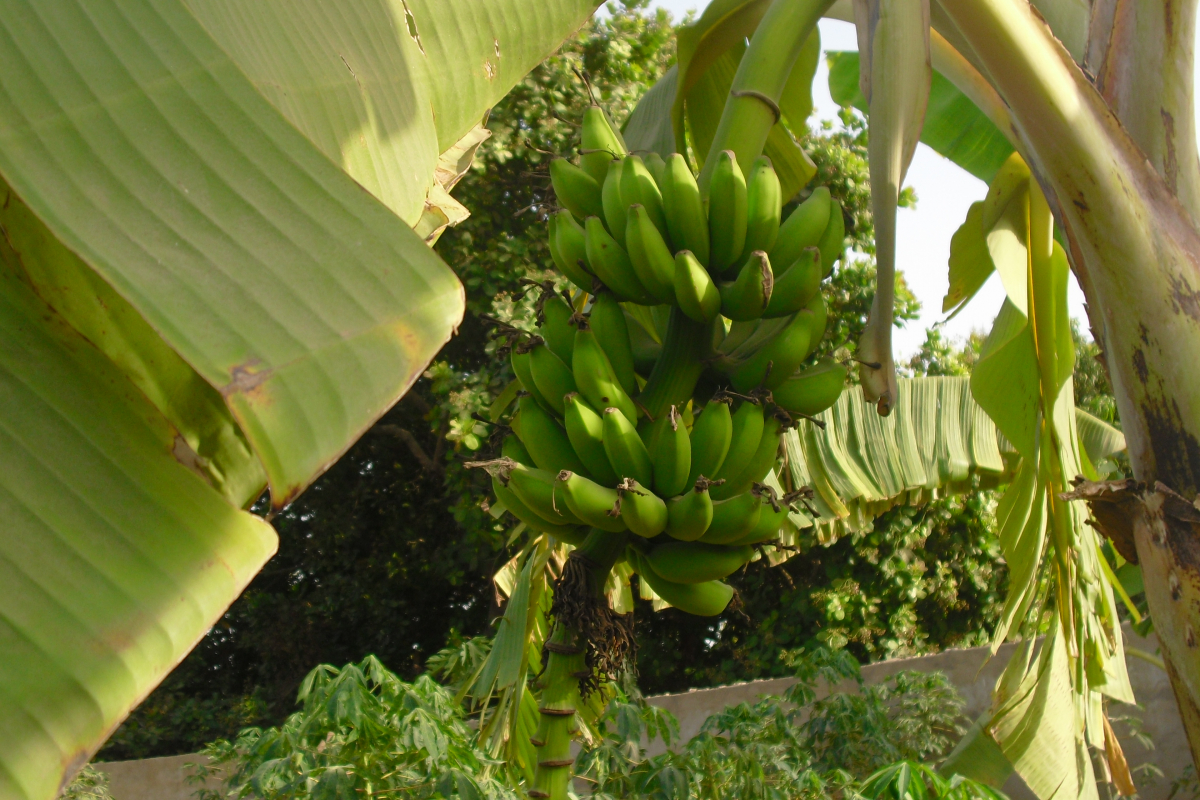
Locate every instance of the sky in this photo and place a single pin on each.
(944, 192)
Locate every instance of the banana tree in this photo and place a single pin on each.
(1080, 116)
(200, 300)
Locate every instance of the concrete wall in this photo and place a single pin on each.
(969, 670)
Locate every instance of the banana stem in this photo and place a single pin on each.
(752, 108)
(680, 365)
(567, 667)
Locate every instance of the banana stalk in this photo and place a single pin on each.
(894, 46)
(567, 670)
(753, 105)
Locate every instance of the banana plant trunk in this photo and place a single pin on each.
(1115, 152)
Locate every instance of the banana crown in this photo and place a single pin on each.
(667, 283)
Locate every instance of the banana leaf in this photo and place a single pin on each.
(937, 438)
(199, 301)
(954, 126)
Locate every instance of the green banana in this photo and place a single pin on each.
(523, 513)
(585, 430)
(820, 322)
(711, 437)
(625, 449)
(747, 297)
(513, 449)
(803, 228)
(727, 207)
(770, 521)
(600, 142)
(775, 361)
(764, 201)
(545, 440)
(535, 488)
(747, 430)
(595, 504)
(569, 250)
(595, 377)
(552, 377)
(690, 514)
(701, 599)
(577, 191)
(813, 389)
(614, 206)
(796, 286)
(658, 168)
(733, 518)
(643, 511)
(611, 264)
(687, 222)
(761, 462)
(695, 292)
(649, 254)
(518, 356)
(608, 323)
(557, 327)
(696, 562)
(833, 240)
(671, 456)
(639, 188)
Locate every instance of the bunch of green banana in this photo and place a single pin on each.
(611, 438)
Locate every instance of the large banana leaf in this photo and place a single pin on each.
(860, 464)
(116, 556)
(197, 301)
(954, 126)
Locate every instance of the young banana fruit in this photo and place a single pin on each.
(695, 291)
(648, 252)
(803, 228)
(711, 437)
(764, 201)
(690, 514)
(577, 191)
(701, 599)
(796, 286)
(585, 430)
(552, 377)
(643, 511)
(595, 377)
(568, 248)
(733, 518)
(748, 297)
(598, 506)
(727, 209)
(696, 562)
(611, 263)
(545, 440)
(813, 389)
(625, 449)
(671, 456)
(611, 329)
(600, 143)
(687, 220)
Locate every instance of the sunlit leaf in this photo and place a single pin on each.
(116, 558)
(954, 126)
(648, 128)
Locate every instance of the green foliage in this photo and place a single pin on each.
(922, 579)
(795, 745)
(89, 784)
(390, 551)
(361, 731)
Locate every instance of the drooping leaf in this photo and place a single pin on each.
(796, 102)
(1097, 437)
(970, 262)
(1005, 380)
(306, 303)
(117, 555)
(648, 128)
(954, 126)
(382, 88)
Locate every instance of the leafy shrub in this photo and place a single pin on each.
(89, 784)
(361, 732)
(793, 746)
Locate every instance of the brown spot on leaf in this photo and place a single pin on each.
(1176, 451)
(244, 378)
(1170, 167)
